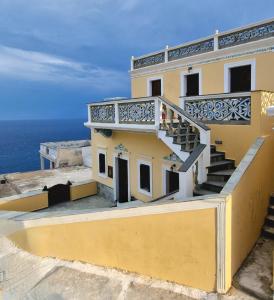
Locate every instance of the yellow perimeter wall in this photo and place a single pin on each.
(83, 190)
(140, 146)
(25, 203)
(178, 246)
(247, 206)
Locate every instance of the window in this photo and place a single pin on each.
(155, 86)
(240, 76)
(192, 84)
(102, 163)
(145, 177)
(240, 79)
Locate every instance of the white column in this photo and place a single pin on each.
(205, 139)
(132, 63)
(186, 185)
(202, 170)
(42, 162)
(50, 164)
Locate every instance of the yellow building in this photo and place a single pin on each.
(184, 99)
(196, 138)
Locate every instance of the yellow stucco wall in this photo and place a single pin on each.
(249, 202)
(178, 246)
(25, 203)
(83, 190)
(140, 146)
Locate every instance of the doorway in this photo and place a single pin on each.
(192, 84)
(172, 181)
(240, 79)
(122, 180)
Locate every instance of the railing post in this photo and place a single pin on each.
(116, 113)
(89, 114)
(216, 42)
(157, 113)
(166, 54)
(132, 63)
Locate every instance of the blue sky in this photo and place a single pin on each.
(57, 55)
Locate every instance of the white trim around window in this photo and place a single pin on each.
(102, 151)
(241, 63)
(149, 86)
(147, 163)
(183, 80)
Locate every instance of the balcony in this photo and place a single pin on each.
(130, 114)
(232, 109)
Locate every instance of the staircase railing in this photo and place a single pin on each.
(195, 146)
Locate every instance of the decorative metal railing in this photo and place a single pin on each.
(192, 49)
(140, 112)
(137, 112)
(102, 113)
(255, 33)
(212, 43)
(229, 109)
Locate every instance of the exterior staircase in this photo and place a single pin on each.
(219, 172)
(268, 229)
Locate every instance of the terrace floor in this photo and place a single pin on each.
(87, 203)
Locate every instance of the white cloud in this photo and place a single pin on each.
(37, 66)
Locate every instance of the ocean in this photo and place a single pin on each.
(20, 141)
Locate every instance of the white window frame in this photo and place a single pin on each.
(147, 163)
(183, 80)
(149, 85)
(102, 151)
(241, 63)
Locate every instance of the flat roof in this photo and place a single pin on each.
(67, 144)
(19, 183)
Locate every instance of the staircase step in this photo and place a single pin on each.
(271, 210)
(212, 148)
(214, 186)
(202, 192)
(222, 175)
(268, 232)
(221, 165)
(271, 201)
(269, 221)
(217, 156)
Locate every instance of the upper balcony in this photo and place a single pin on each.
(229, 41)
(137, 114)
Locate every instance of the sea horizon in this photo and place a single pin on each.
(20, 140)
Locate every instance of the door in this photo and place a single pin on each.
(172, 182)
(156, 89)
(122, 180)
(58, 193)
